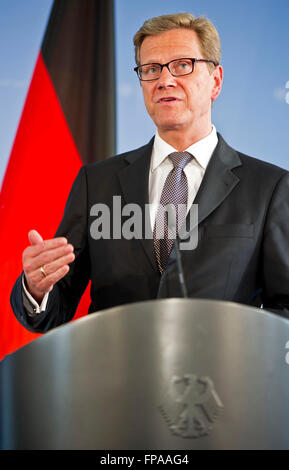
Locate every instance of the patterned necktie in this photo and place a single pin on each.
(175, 191)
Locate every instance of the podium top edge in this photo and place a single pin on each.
(234, 307)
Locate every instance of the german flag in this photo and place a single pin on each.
(68, 120)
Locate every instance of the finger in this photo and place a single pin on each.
(32, 264)
(48, 282)
(51, 268)
(35, 237)
(35, 250)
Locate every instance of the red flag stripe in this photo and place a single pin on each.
(43, 164)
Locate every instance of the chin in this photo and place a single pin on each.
(170, 122)
(169, 125)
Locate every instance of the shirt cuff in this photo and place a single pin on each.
(30, 303)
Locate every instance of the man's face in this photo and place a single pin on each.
(190, 95)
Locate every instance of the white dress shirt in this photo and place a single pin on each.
(160, 167)
(32, 307)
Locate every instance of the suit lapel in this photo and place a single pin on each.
(218, 181)
(217, 184)
(134, 181)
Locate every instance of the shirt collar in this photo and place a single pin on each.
(201, 150)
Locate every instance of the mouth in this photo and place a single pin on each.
(168, 99)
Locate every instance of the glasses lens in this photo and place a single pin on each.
(176, 67)
(181, 67)
(149, 71)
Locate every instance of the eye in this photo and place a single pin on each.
(183, 65)
(152, 69)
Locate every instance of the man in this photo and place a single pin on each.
(243, 206)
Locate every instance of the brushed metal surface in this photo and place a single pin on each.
(101, 382)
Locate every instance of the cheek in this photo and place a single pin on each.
(199, 94)
(147, 95)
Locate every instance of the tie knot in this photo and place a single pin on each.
(180, 159)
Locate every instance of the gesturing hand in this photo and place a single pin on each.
(45, 262)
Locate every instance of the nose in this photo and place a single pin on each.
(166, 79)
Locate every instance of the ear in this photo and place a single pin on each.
(217, 76)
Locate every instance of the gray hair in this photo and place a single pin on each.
(208, 36)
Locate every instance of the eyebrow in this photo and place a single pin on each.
(181, 56)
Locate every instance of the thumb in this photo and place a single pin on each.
(34, 237)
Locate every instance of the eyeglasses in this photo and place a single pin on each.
(177, 68)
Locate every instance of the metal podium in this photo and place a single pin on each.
(167, 374)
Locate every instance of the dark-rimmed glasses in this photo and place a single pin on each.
(177, 68)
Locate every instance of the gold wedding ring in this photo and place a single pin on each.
(43, 271)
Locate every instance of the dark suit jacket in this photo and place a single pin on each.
(242, 253)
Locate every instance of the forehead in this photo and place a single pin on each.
(170, 45)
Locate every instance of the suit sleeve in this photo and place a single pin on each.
(65, 296)
(276, 251)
